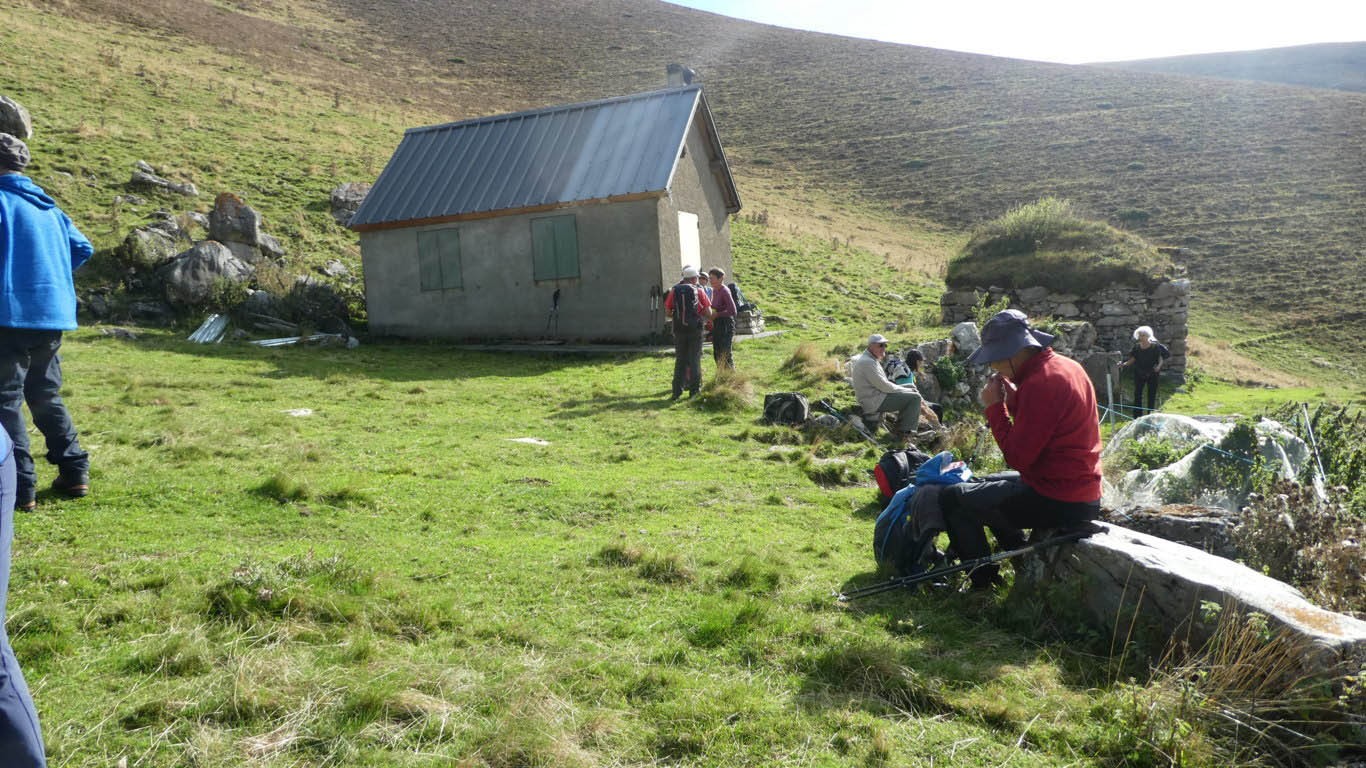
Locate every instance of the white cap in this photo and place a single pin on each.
(877, 338)
(689, 271)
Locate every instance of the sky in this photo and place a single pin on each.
(1067, 31)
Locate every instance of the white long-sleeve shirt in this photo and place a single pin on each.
(871, 385)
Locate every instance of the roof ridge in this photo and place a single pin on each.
(550, 110)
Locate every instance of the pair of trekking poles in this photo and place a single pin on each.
(934, 574)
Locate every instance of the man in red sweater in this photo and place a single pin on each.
(1042, 411)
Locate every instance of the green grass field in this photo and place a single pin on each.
(392, 580)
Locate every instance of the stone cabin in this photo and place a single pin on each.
(477, 230)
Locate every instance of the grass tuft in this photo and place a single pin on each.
(728, 391)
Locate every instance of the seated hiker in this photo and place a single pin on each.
(915, 361)
(1041, 408)
(878, 395)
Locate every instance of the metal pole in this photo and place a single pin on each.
(1109, 399)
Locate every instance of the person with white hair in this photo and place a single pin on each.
(1146, 358)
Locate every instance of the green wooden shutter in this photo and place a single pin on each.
(428, 261)
(566, 247)
(451, 274)
(543, 249)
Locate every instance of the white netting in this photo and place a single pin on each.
(1210, 472)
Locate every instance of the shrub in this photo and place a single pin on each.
(1148, 452)
(948, 372)
(1311, 543)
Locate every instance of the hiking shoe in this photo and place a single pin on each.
(74, 486)
(26, 505)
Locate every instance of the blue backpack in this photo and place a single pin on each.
(904, 544)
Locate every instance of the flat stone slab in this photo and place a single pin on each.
(1124, 573)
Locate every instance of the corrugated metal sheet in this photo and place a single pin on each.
(596, 150)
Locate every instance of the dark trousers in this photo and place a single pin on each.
(21, 741)
(687, 361)
(1141, 380)
(722, 339)
(1007, 506)
(31, 371)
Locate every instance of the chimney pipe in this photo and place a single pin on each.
(680, 75)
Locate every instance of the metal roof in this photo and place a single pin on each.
(542, 158)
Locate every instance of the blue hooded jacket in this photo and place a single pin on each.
(39, 249)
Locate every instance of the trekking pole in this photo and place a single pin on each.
(901, 582)
(846, 419)
(554, 315)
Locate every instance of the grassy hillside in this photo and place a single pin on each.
(1341, 66)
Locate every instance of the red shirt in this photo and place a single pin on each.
(703, 303)
(1050, 433)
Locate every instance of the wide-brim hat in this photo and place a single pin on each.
(1006, 333)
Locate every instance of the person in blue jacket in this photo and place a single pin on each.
(21, 740)
(39, 250)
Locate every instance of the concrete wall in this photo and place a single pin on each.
(609, 301)
(695, 189)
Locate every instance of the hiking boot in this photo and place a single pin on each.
(26, 505)
(73, 485)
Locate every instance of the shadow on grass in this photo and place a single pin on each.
(384, 359)
(594, 406)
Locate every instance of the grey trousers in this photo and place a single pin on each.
(906, 406)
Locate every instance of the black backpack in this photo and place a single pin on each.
(687, 310)
(786, 408)
(895, 470)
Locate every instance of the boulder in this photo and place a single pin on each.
(334, 268)
(1123, 575)
(14, 119)
(193, 276)
(147, 248)
(1097, 366)
(233, 221)
(966, 338)
(147, 180)
(346, 200)
(1206, 528)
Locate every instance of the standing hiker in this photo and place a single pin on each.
(687, 306)
(1041, 408)
(723, 319)
(1146, 357)
(39, 249)
(39, 246)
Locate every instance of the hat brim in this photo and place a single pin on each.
(1003, 348)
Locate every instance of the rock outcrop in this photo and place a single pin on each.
(1123, 575)
(14, 119)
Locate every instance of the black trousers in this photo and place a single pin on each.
(687, 361)
(1006, 505)
(1145, 379)
(722, 339)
